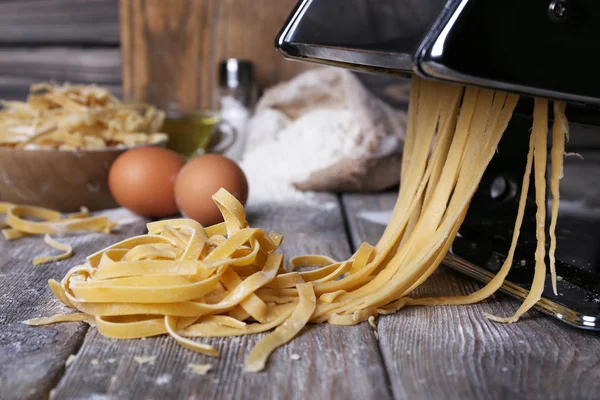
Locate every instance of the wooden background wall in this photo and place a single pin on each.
(62, 40)
(171, 51)
(79, 41)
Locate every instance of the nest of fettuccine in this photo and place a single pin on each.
(77, 117)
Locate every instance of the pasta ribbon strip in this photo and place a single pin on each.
(277, 315)
(311, 260)
(65, 248)
(253, 305)
(171, 325)
(560, 130)
(54, 224)
(120, 269)
(51, 222)
(540, 133)
(257, 358)
(155, 289)
(75, 317)
(500, 276)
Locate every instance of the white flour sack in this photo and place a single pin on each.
(322, 131)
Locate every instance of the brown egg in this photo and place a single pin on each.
(143, 180)
(203, 177)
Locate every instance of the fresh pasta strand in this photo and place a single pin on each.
(18, 220)
(190, 281)
(285, 332)
(498, 279)
(560, 131)
(540, 133)
(67, 251)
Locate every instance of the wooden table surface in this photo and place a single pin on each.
(421, 353)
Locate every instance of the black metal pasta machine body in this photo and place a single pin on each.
(544, 48)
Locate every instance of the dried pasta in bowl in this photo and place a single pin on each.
(56, 148)
(77, 117)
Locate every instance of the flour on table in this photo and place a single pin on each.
(145, 360)
(121, 216)
(313, 142)
(309, 124)
(377, 217)
(163, 379)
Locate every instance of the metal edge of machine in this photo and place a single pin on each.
(427, 61)
(379, 62)
(544, 305)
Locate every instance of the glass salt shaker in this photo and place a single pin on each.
(237, 80)
(238, 93)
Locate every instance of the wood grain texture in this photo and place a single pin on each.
(60, 180)
(32, 358)
(335, 362)
(247, 30)
(21, 67)
(456, 353)
(171, 50)
(59, 21)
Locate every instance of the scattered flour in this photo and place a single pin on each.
(98, 396)
(377, 217)
(163, 379)
(121, 216)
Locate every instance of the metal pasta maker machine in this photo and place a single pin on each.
(545, 48)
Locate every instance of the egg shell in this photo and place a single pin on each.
(200, 179)
(143, 180)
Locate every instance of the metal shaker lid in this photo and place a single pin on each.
(234, 72)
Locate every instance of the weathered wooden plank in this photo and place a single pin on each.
(59, 21)
(32, 358)
(171, 49)
(335, 362)
(456, 353)
(20, 67)
(247, 30)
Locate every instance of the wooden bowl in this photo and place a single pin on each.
(60, 180)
